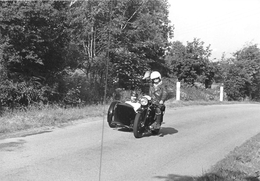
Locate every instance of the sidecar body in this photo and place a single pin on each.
(121, 114)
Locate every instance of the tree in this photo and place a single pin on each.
(58, 50)
(236, 82)
(243, 74)
(191, 63)
(248, 52)
(34, 44)
(138, 32)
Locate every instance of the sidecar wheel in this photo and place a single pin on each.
(137, 128)
(110, 123)
(110, 115)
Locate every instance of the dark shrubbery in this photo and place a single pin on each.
(54, 53)
(199, 93)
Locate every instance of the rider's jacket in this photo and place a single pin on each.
(158, 93)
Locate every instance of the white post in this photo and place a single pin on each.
(221, 93)
(178, 91)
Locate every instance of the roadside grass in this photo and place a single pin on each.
(54, 116)
(47, 116)
(242, 164)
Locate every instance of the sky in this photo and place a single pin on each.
(227, 25)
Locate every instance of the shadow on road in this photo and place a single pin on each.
(172, 177)
(124, 129)
(163, 132)
(10, 146)
(35, 133)
(206, 177)
(167, 131)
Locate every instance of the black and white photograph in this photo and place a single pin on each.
(129, 90)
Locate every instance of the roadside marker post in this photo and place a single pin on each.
(178, 91)
(221, 93)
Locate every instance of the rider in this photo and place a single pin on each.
(158, 93)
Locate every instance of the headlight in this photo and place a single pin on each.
(144, 101)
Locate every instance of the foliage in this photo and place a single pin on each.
(191, 63)
(241, 76)
(45, 44)
(196, 93)
(57, 52)
(80, 91)
(132, 35)
(21, 94)
(33, 45)
(35, 38)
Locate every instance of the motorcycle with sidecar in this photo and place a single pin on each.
(124, 115)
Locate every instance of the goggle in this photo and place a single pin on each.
(157, 80)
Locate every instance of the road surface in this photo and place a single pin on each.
(191, 141)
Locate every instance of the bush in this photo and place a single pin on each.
(20, 94)
(192, 93)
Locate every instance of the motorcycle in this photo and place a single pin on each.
(124, 115)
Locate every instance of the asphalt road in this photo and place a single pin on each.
(191, 141)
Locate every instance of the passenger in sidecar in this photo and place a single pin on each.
(134, 101)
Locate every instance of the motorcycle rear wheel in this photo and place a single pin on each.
(138, 129)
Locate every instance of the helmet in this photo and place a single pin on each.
(155, 75)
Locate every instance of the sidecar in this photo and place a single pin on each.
(121, 114)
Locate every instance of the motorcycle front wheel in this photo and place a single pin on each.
(138, 128)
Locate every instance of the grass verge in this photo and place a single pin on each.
(242, 164)
(48, 116)
(53, 116)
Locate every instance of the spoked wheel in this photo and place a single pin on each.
(110, 115)
(138, 128)
(110, 119)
